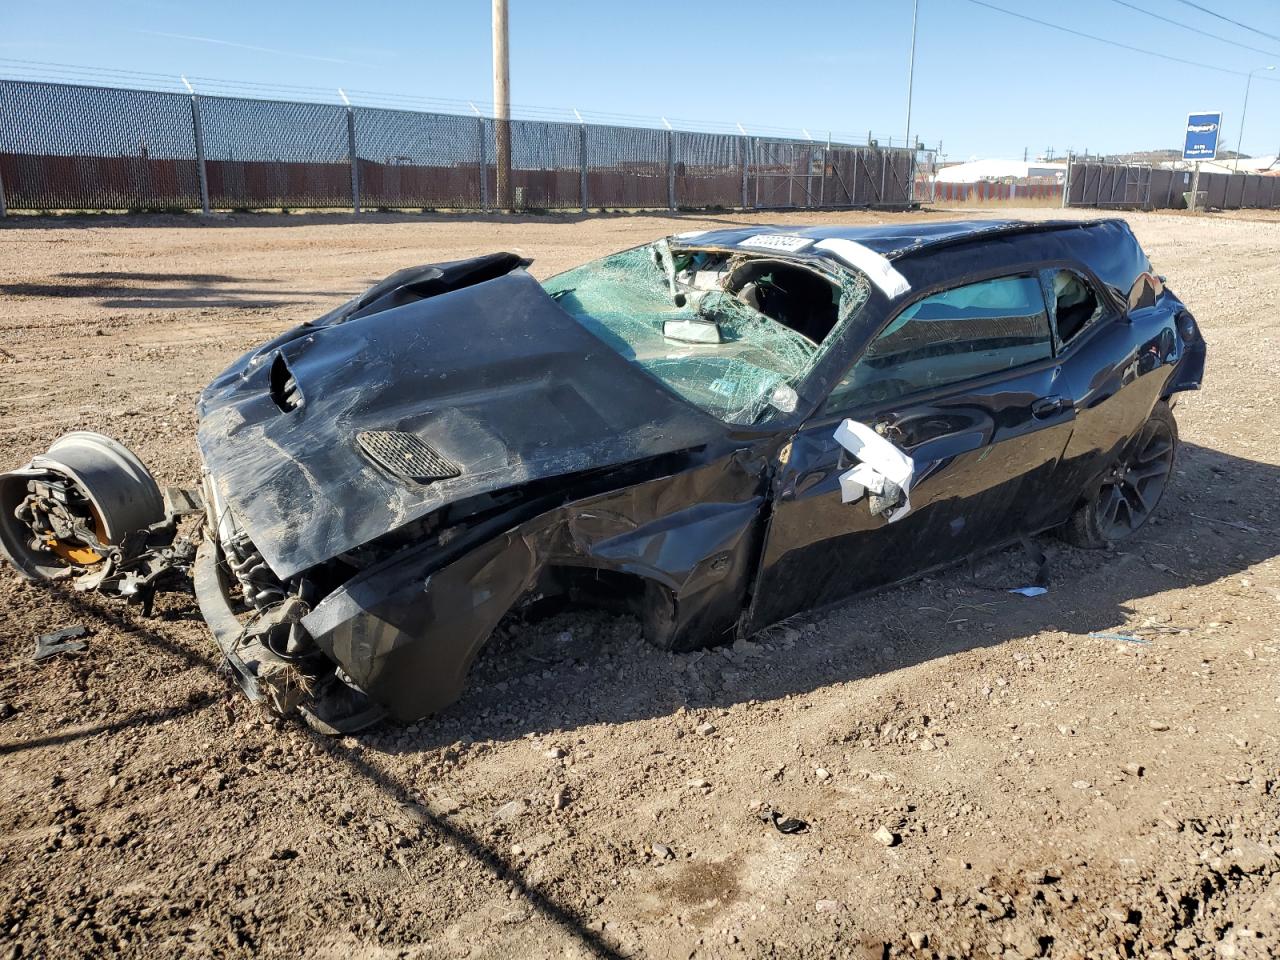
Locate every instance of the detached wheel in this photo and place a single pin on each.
(1132, 489)
(60, 511)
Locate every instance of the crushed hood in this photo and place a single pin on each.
(493, 377)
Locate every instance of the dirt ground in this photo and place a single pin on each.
(1046, 793)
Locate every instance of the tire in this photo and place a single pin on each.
(1132, 488)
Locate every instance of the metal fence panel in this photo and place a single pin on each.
(272, 153)
(708, 169)
(546, 165)
(626, 167)
(1096, 184)
(426, 160)
(74, 147)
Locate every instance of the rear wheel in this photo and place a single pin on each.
(1131, 490)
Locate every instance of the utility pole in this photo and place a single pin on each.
(502, 104)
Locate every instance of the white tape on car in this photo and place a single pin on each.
(879, 460)
(877, 268)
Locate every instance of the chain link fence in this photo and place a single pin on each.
(65, 147)
(70, 147)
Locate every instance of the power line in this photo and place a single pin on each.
(1111, 43)
(1186, 26)
(1242, 26)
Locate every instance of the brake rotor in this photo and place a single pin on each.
(79, 554)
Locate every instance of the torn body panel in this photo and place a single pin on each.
(494, 377)
(407, 630)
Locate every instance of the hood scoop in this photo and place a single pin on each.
(406, 455)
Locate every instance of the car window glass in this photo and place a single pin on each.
(965, 332)
(750, 361)
(1075, 304)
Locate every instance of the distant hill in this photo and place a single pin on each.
(1161, 156)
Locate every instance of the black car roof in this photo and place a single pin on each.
(891, 241)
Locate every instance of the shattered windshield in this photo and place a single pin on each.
(732, 334)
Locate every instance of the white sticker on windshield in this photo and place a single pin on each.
(880, 271)
(776, 241)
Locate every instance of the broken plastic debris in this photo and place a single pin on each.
(882, 468)
(783, 824)
(60, 641)
(1030, 591)
(1126, 637)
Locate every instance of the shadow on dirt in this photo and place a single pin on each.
(141, 718)
(347, 754)
(118, 289)
(485, 856)
(586, 667)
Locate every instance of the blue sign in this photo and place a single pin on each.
(1202, 136)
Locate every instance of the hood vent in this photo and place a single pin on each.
(406, 455)
(284, 386)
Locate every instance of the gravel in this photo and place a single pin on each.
(146, 809)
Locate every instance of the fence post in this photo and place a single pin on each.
(755, 156)
(911, 177)
(4, 207)
(742, 150)
(671, 170)
(483, 164)
(884, 171)
(198, 129)
(1066, 181)
(355, 160)
(582, 159)
(822, 177)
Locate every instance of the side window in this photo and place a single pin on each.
(966, 332)
(1075, 303)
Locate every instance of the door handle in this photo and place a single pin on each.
(1047, 407)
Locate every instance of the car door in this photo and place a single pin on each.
(1114, 360)
(964, 381)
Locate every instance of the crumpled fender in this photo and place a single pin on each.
(407, 630)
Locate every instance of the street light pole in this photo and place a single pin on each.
(1244, 109)
(910, 69)
(911, 77)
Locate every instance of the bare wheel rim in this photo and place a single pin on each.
(1136, 483)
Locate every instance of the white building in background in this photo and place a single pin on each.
(978, 171)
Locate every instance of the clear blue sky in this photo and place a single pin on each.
(986, 83)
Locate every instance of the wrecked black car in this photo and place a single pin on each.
(715, 431)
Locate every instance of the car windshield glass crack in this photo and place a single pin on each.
(628, 298)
